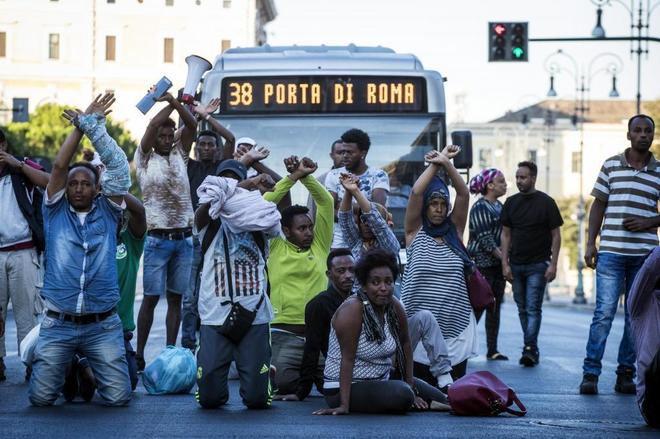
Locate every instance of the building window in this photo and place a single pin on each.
(110, 48)
(169, 2)
(226, 44)
(3, 44)
(226, 4)
(168, 49)
(485, 158)
(576, 161)
(54, 46)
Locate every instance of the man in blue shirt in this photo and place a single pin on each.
(80, 284)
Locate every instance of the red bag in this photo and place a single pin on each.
(483, 394)
(480, 293)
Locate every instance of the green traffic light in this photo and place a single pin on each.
(518, 52)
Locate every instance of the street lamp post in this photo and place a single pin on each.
(582, 78)
(641, 27)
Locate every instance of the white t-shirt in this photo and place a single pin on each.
(372, 178)
(165, 188)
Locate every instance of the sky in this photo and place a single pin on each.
(451, 37)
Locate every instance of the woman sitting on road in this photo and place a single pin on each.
(434, 279)
(368, 330)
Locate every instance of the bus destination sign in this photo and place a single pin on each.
(323, 94)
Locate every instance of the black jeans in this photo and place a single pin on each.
(393, 396)
(497, 283)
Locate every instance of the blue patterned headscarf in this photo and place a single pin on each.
(447, 230)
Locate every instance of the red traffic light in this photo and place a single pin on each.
(499, 29)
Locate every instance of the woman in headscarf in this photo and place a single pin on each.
(368, 338)
(438, 263)
(484, 246)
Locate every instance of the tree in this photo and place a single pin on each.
(43, 135)
(654, 111)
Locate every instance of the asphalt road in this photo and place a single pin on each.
(555, 409)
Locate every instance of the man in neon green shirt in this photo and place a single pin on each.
(296, 269)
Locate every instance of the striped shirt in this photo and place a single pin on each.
(485, 231)
(434, 280)
(628, 192)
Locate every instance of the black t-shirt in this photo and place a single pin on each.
(197, 172)
(531, 217)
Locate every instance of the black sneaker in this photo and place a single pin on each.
(70, 389)
(530, 357)
(625, 384)
(86, 383)
(589, 384)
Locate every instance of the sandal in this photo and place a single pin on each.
(497, 356)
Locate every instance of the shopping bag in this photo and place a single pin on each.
(173, 371)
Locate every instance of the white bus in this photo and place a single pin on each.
(297, 100)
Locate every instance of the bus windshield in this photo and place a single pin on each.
(398, 143)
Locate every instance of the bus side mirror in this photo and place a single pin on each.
(464, 158)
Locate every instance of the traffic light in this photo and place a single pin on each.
(507, 41)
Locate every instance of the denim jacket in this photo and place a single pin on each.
(81, 274)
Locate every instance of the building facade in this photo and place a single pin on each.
(67, 51)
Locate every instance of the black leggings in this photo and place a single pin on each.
(393, 396)
(422, 371)
(497, 283)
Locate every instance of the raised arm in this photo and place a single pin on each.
(137, 221)
(204, 112)
(116, 180)
(189, 129)
(413, 219)
(325, 210)
(63, 158)
(36, 176)
(345, 217)
(252, 157)
(150, 134)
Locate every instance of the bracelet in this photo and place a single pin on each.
(21, 164)
(206, 118)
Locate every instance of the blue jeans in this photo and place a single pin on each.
(614, 276)
(103, 345)
(166, 265)
(189, 311)
(528, 288)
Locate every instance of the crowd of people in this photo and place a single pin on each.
(296, 296)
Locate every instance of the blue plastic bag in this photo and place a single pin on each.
(173, 371)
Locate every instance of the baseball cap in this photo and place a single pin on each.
(234, 166)
(247, 140)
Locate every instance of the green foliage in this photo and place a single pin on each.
(45, 132)
(568, 207)
(653, 109)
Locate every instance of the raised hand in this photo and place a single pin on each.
(204, 110)
(167, 97)
(451, 151)
(101, 104)
(8, 159)
(258, 153)
(291, 164)
(350, 182)
(307, 166)
(436, 158)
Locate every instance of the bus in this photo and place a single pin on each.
(297, 100)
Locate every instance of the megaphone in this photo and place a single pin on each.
(197, 66)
